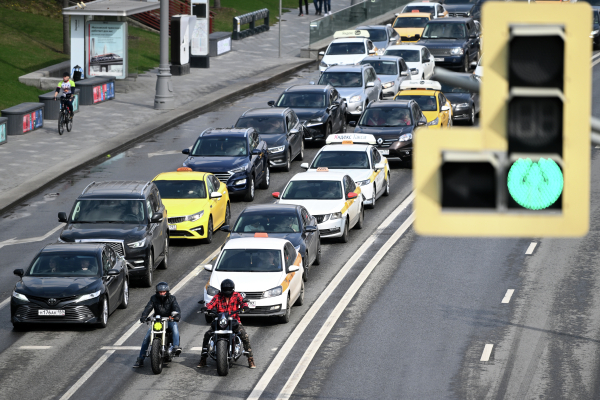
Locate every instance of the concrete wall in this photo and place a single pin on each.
(46, 78)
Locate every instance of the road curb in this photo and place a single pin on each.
(153, 126)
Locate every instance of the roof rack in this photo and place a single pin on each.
(86, 188)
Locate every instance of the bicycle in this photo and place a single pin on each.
(64, 117)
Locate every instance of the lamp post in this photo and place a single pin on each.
(163, 100)
(279, 28)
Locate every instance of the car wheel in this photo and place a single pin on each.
(285, 318)
(344, 238)
(103, 313)
(318, 257)
(387, 186)
(305, 264)
(288, 164)
(209, 231)
(149, 269)
(327, 131)
(266, 179)
(300, 299)
(450, 122)
(125, 301)
(250, 193)
(300, 155)
(472, 119)
(165, 262)
(18, 326)
(344, 127)
(466, 66)
(374, 199)
(227, 215)
(361, 219)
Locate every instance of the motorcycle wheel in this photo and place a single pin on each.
(222, 362)
(156, 357)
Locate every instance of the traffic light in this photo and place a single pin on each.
(525, 171)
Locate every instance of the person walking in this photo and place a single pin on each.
(327, 4)
(306, 6)
(318, 6)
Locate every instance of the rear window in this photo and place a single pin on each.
(383, 67)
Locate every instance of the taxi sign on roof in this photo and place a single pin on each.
(427, 85)
(356, 138)
(353, 33)
(322, 169)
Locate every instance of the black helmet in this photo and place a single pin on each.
(227, 287)
(162, 287)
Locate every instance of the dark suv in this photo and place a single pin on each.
(453, 42)
(129, 216)
(238, 157)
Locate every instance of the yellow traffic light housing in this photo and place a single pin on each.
(534, 127)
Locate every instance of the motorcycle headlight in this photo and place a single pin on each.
(20, 296)
(157, 326)
(277, 149)
(355, 99)
(88, 296)
(406, 137)
(322, 64)
(457, 51)
(138, 244)
(276, 291)
(238, 169)
(434, 122)
(212, 291)
(363, 183)
(462, 105)
(194, 217)
(223, 323)
(388, 85)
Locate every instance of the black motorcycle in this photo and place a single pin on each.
(161, 342)
(225, 346)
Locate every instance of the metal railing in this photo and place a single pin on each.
(250, 19)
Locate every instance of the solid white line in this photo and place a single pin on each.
(595, 56)
(35, 347)
(487, 352)
(312, 312)
(531, 248)
(350, 294)
(507, 296)
(196, 348)
(137, 348)
(164, 153)
(131, 330)
(4, 302)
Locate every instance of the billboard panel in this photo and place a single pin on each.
(106, 49)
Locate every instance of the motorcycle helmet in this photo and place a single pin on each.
(162, 287)
(227, 287)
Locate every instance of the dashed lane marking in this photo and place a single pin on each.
(120, 348)
(530, 248)
(35, 347)
(507, 296)
(487, 352)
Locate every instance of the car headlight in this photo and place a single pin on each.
(457, 51)
(355, 99)
(317, 119)
(406, 137)
(462, 105)
(238, 169)
(88, 296)
(276, 291)
(20, 296)
(138, 244)
(277, 149)
(60, 240)
(223, 323)
(322, 64)
(388, 85)
(434, 122)
(212, 291)
(194, 217)
(363, 183)
(240, 182)
(332, 216)
(594, 32)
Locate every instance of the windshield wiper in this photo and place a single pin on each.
(111, 222)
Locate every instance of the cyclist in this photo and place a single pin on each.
(66, 87)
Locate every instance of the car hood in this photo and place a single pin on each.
(431, 115)
(355, 174)
(348, 92)
(456, 98)
(379, 131)
(215, 164)
(306, 114)
(409, 32)
(349, 59)
(318, 207)
(248, 281)
(128, 232)
(442, 43)
(182, 207)
(294, 238)
(274, 139)
(387, 78)
(58, 287)
(453, 8)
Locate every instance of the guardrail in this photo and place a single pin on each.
(250, 19)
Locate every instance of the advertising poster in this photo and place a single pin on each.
(223, 46)
(2, 133)
(104, 92)
(75, 102)
(200, 38)
(106, 49)
(32, 121)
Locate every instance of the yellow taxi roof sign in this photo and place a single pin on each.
(322, 169)
(351, 138)
(352, 33)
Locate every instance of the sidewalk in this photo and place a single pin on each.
(30, 161)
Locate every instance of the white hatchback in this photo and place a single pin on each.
(416, 57)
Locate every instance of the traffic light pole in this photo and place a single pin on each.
(164, 87)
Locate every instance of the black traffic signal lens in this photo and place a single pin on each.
(536, 61)
(468, 185)
(535, 125)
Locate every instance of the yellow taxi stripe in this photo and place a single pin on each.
(288, 278)
(348, 203)
(207, 284)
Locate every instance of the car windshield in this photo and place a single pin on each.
(427, 103)
(181, 189)
(377, 35)
(460, 2)
(407, 55)
(66, 264)
(313, 190)
(249, 260)
(268, 222)
(339, 49)
(263, 125)
(341, 160)
(108, 211)
(453, 89)
(421, 8)
(385, 117)
(596, 20)
(383, 67)
(303, 100)
(411, 22)
(220, 147)
(444, 31)
(341, 79)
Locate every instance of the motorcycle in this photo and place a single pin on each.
(160, 350)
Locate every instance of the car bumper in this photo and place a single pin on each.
(188, 230)
(367, 192)
(354, 110)
(85, 312)
(278, 159)
(270, 307)
(314, 132)
(389, 93)
(238, 185)
(461, 114)
(332, 229)
(450, 61)
(402, 150)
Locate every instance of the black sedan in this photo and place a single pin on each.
(70, 283)
(465, 104)
(320, 108)
(595, 35)
(286, 221)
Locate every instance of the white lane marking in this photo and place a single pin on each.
(35, 347)
(595, 56)
(312, 312)
(507, 296)
(531, 248)
(164, 153)
(12, 241)
(4, 302)
(196, 349)
(274, 349)
(595, 62)
(350, 294)
(131, 330)
(137, 348)
(487, 352)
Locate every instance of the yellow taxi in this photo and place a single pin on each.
(410, 26)
(197, 203)
(428, 95)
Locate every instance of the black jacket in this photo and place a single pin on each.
(164, 308)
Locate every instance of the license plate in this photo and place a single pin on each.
(51, 313)
(172, 227)
(384, 152)
(439, 59)
(251, 304)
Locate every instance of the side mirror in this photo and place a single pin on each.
(276, 194)
(293, 268)
(310, 228)
(370, 84)
(352, 123)
(294, 131)
(421, 123)
(404, 73)
(426, 60)
(156, 217)
(321, 53)
(215, 195)
(62, 217)
(304, 165)
(112, 272)
(371, 51)
(256, 151)
(225, 228)
(271, 103)
(351, 195)
(19, 272)
(185, 151)
(417, 36)
(379, 166)
(445, 108)
(208, 267)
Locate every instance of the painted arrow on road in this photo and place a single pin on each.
(12, 241)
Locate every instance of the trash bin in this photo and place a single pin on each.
(3, 122)
(219, 43)
(52, 107)
(24, 117)
(96, 90)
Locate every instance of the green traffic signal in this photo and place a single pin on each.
(535, 185)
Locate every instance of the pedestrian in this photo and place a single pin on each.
(318, 6)
(305, 4)
(327, 6)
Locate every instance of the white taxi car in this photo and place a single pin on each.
(267, 270)
(331, 197)
(347, 48)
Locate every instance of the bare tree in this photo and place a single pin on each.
(217, 4)
(66, 42)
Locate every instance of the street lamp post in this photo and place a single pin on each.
(279, 28)
(164, 87)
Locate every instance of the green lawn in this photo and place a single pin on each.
(231, 8)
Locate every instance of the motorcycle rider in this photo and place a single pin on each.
(227, 300)
(163, 303)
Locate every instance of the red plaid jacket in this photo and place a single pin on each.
(236, 301)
